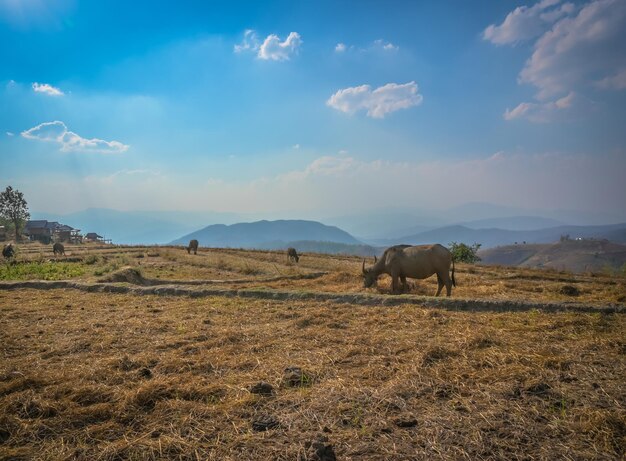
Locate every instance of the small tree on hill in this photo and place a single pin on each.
(14, 208)
(464, 253)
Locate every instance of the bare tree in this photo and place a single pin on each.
(14, 208)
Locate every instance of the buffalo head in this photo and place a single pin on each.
(369, 277)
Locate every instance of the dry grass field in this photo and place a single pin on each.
(150, 353)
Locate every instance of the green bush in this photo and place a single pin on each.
(90, 259)
(465, 253)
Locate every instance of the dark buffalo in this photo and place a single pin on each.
(292, 255)
(193, 246)
(417, 262)
(58, 249)
(8, 251)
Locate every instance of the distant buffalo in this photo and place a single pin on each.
(292, 255)
(58, 249)
(193, 246)
(8, 251)
(417, 262)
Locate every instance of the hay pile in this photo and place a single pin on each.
(125, 275)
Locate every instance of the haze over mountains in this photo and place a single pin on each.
(138, 227)
(488, 224)
(494, 237)
(392, 223)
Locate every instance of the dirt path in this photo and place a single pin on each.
(353, 298)
(133, 276)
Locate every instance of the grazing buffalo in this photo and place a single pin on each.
(8, 251)
(193, 246)
(58, 249)
(292, 255)
(416, 262)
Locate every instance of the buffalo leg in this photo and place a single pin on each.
(405, 286)
(444, 279)
(440, 284)
(448, 287)
(394, 283)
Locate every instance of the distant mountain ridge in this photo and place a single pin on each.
(266, 234)
(494, 237)
(484, 223)
(514, 223)
(333, 248)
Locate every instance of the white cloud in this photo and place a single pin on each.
(329, 165)
(275, 50)
(579, 49)
(69, 141)
(272, 48)
(250, 42)
(47, 89)
(336, 185)
(347, 183)
(296, 146)
(386, 46)
(565, 108)
(379, 45)
(524, 23)
(614, 82)
(10, 134)
(379, 102)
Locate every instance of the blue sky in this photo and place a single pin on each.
(306, 108)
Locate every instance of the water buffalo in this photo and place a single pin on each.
(292, 255)
(8, 251)
(417, 262)
(193, 246)
(58, 249)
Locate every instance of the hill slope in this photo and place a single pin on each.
(573, 255)
(266, 234)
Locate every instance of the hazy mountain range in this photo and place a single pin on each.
(392, 223)
(474, 222)
(267, 234)
(494, 237)
(138, 227)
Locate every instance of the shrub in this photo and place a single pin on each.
(90, 259)
(465, 253)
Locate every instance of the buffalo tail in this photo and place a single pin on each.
(453, 281)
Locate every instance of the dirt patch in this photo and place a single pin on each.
(569, 290)
(262, 388)
(296, 377)
(265, 423)
(437, 354)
